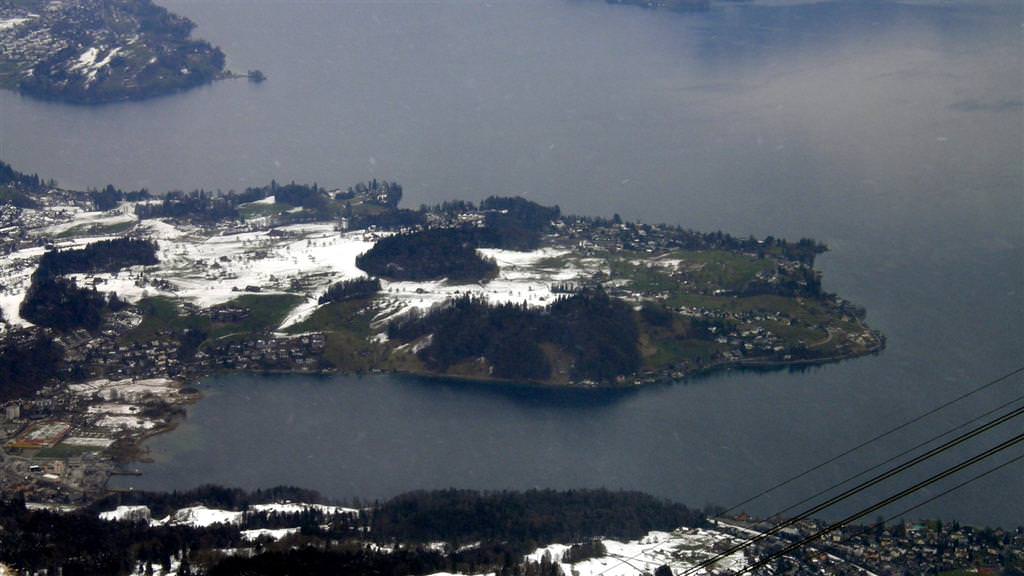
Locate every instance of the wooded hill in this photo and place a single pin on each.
(506, 525)
(432, 254)
(596, 332)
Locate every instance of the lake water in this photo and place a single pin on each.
(892, 131)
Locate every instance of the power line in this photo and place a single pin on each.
(861, 487)
(946, 492)
(897, 456)
(883, 503)
(903, 425)
(889, 432)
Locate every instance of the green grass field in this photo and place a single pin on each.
(65, 451)
(643, 278)
(161, 313)
(266, 312)
(249, 211)
(351, 317)
(726, 270)
(670, 351)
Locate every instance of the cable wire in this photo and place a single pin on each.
(874, 439)
(860, 446)
(883, 503)
(946, 492)
(896, 457)
(862, 486)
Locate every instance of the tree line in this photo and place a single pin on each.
(354, 289)
(196, 206)
(104, 256)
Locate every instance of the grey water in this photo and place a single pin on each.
(892, 131)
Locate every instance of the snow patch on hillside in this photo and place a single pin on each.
(15, 277)
(523, 278)
(201, 517)
(680, 550)
(299, 507)
(212, 266)
(214, 270)
(83, 220)
(274, 534)
(126, 513)
(89, 66)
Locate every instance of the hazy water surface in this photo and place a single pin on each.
(892, 131)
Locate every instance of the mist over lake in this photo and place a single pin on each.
(890, 131)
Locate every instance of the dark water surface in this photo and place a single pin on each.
(892, 131)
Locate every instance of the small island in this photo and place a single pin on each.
(113, 303)
(100, 51)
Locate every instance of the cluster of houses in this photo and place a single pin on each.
(23, 41)
(899, 549)
(108, 356)
(112, 357)
(268, 352)
(918, 548)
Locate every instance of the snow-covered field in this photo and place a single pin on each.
(211, 267)
(273, 533)
(126, 513)
(88, 441)
(298, 507)
(125, 423)
(127, 390)
(523, 277)
(213, 270)
(83, 221)
(15, 271)
(121, 409)
(201, 516)
(681, 550)
(119, 417)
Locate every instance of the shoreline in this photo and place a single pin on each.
(124, 98)
(135, 452)
(56, 98)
